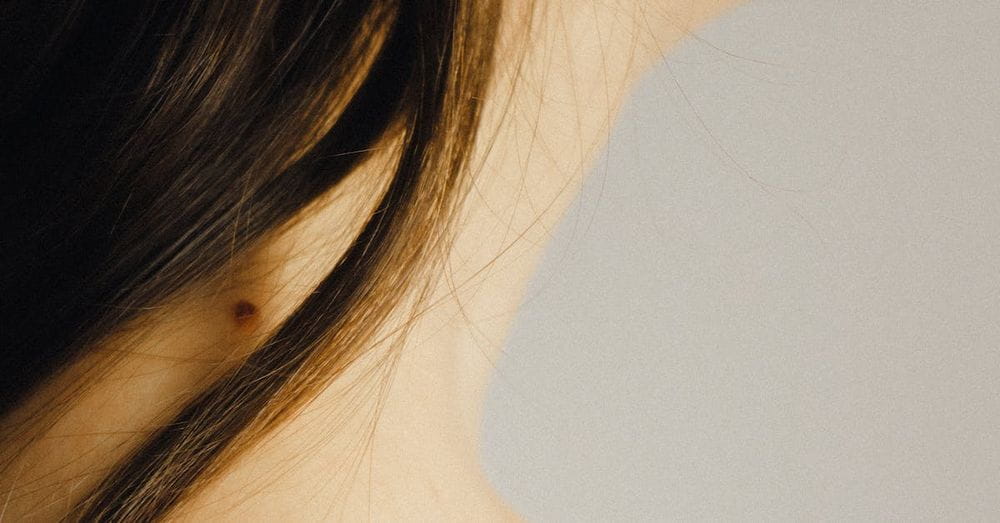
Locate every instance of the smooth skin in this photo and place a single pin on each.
(545, 118)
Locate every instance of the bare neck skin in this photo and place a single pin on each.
(413, 455)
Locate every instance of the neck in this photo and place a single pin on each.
(395, 438)
(379, 444)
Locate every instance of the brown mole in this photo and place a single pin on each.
(244, 313)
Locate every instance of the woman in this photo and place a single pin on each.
(259, 257)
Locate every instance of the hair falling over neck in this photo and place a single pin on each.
(145, 145)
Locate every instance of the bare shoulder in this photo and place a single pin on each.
(563, 68)
(644, 29)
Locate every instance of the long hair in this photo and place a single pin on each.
(144, 143)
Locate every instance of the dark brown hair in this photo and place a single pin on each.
(143, 143)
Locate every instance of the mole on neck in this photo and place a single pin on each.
(244, 313)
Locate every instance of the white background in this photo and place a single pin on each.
(778, 295)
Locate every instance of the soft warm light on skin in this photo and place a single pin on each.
(542, 125)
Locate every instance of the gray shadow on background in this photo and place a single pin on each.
(778, 295)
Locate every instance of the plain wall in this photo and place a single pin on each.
(778, 295)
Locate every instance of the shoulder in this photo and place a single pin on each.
(643, 29)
